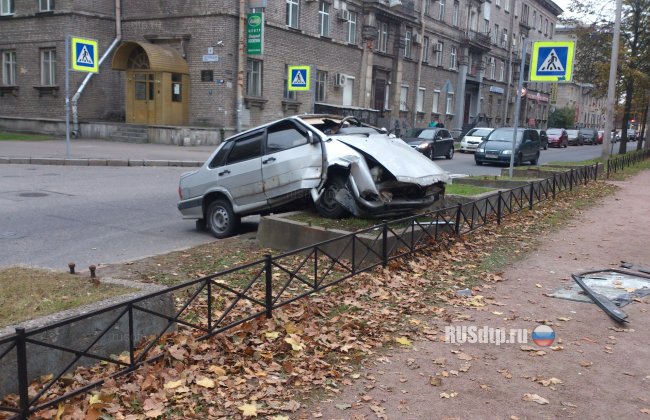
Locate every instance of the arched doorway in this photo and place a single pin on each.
(157, 83)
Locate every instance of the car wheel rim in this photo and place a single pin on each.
(220, 220)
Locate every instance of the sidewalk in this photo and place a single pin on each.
(597, 369)
(102, 153)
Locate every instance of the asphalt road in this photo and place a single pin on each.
(52, 215)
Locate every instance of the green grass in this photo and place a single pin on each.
(6, 136)
(29, 293)
(465, 189)
(577, 163)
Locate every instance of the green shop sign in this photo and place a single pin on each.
(255, 33)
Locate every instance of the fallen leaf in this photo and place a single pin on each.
(435, 381)
(294, 340)
(497, 313)
(281, 417)
(174, 384)
(535, 398)
(272, 335)
(205, 383)
(451, 394)
(343, 406)
(404, 341)
(248, 410)
(538, 285)
(552, 381)
(645, 410)
(464, 356)
(94, 399)
(586, 363)
(217, 370)
(562, 318)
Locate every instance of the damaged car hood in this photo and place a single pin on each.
(406, 164)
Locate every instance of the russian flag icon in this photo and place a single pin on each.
(543, 335)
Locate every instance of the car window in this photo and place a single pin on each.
(479, 132)
(444, 134)
(427, 134)
(284, 135)
(248, 147)
(220, 157)
(533, 135)
(555, 131)
(505, 135)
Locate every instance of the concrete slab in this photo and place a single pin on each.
(76, 162)
(96, 162)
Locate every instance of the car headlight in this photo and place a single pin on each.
(423, 145)
(480, 150)
(507, 152)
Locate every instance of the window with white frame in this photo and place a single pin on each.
(45, 5)
(439, 51)
(324, 19)
(504, 38)
(425, 49)
(6, 7)
(352, 28)
(419, 106)
(452, 58)
(497, 3)
(427, 6)
(383, 37)
(539, 25)
(288, 94)
(449, 109)
(441, 10)
(293, 11)
(455, 13)
(48, 67)
(9, 68)
(545, 26)
(321, 86)
(506, 5)
(403, 98)
(502, 70)
(407, 43)
(495, 35)
(492, 68)
(387, 104)
(534, 22)
(436, 101)
(254, 78)
(550, 33)
(486, 26)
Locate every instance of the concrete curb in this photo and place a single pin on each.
(99, 162)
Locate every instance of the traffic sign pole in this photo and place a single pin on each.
(67, 96)
(518, 104)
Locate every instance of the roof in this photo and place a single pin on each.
(161, 57)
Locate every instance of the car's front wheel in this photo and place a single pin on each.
(327, 206)
(535, 160)
(221, 219)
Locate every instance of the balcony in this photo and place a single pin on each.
(477, 41)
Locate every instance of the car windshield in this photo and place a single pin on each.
(554, 131)
(479, 132)
(505, 135)
(421, 133)
(572, 132)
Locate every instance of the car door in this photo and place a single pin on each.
(444, 141)
(532, 145)
(241, 174)
(292, 161)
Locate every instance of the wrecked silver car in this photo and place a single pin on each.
(342, 166)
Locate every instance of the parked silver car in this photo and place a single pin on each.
(344, 167)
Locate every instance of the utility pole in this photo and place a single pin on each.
(241, 62)
(419, 71)
(611, 88)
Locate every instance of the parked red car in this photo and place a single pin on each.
(557, 137)
(599, 138)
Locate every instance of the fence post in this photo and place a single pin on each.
(131, 337)
(607, 169)
(596, 172)
(209, 287)
(384, 244)
(585, 171)
(459, 211)
(554, 185)
(530, 196)
(571, 180)
(268, 287)
(21, 359)
(499, 209)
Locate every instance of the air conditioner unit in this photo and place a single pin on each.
(344, 15)
(340, 79)
(417, 39)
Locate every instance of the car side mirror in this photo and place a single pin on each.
(311, 138)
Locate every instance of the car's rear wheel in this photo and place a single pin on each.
(327, 206)
(221, 219)
(450, 153)
(518, 159)
(545, 146)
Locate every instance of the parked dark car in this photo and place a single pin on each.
(574, 138)
(543, 139)
(557, 137)
(431, 141)
(497, 147)
(588, 135)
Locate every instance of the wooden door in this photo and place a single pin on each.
(144, 98)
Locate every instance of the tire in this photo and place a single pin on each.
(450, 153)
(518, 160)
(430, 154)
(221, 219)
(478, 163)
(545, 146)
(326, 205)
(535, 160)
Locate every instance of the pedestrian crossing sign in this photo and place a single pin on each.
(552, 61)
(298, 78)
(84, 55)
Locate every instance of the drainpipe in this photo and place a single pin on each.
(504, 118)
(75, 98)
(241, 62)
(419, 70)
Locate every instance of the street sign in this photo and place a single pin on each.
(298, 78)
(552, 61)
(255, 33)
(85, 55)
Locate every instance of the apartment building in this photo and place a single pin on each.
(184, 63)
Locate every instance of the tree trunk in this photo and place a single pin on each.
(629, 91)
(640, 144)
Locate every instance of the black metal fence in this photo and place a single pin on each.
(218, 302)
(621, 162)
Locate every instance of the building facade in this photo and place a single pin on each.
(395, 64)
